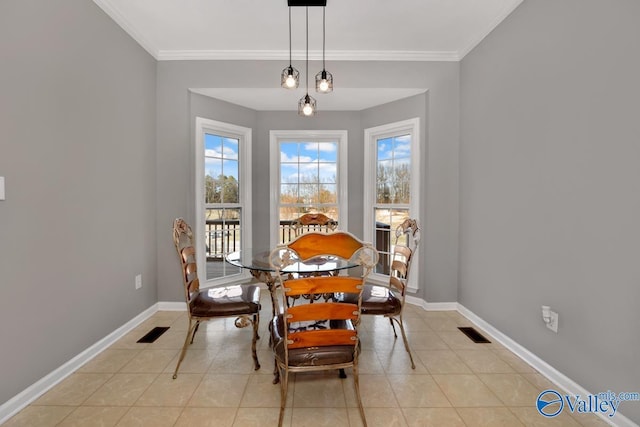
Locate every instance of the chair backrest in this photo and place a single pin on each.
(408, 231)
(313, 222)
(183, 241)
(400, 263)
(306, 321)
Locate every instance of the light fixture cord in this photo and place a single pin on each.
(324, 8)
(307, 70)
(289, 36)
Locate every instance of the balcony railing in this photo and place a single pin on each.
(223, 236)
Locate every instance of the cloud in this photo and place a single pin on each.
(326, 147)
(226, 153)
(401, 147)
(325, 172)
(285, 158)
(215, 167)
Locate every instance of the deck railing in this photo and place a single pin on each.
(223, 236)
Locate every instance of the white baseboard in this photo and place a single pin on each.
(37, 389)
(432, 306)
(562, 381)
(172, 306)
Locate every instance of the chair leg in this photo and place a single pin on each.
(195, 330)
(256, 319)
(256, 324)
(356, 384)
(192, 327)
(393, 327)
(406, 342)
(276, 372)
(284, 384)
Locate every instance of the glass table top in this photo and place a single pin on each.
(258, 259)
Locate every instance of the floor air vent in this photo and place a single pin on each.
(153, 334)
(474, 335)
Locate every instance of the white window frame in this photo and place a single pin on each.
(277, 136)
(371, 136)
(243, 135)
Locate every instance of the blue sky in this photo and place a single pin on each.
(221, 156)
(394, 148)
(315, 160)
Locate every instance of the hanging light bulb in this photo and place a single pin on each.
(307, 105)
(324, 79)
(290, 77)
(324, 82)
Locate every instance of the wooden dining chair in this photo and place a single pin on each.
(389, 300)
(240, 301)
(313, 222)
(318, 336)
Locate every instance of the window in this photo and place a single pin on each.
(307, 169)
(222, 197)
(391, 153)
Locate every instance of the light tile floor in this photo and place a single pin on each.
(456, 382)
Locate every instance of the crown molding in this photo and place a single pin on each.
(281, 55)
(333, 55)
(119, 19)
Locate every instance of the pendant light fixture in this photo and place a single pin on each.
(290, 77)
(307, 105)
(324, 79)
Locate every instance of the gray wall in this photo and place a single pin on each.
(550, 186)
(438, 111)
(77, 149)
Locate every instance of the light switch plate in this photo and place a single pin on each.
(1, 187)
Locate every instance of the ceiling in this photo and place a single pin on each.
(371, 30)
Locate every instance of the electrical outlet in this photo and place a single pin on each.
(553, 321)
(138, 281)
